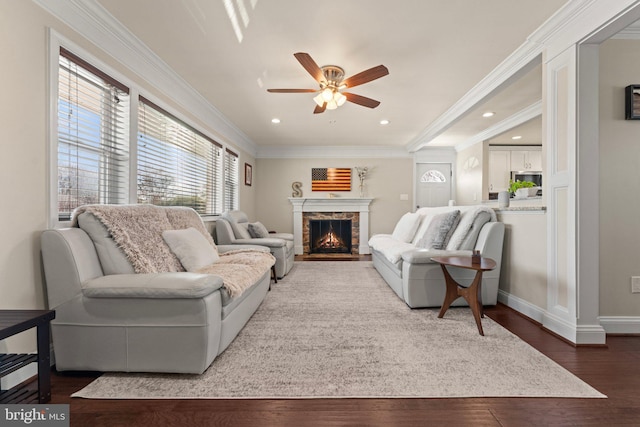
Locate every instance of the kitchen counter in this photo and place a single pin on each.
(529, 204)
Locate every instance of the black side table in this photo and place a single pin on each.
(13, 322)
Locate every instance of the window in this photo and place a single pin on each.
(230, 180)
(93, 146)
(171, 163)
(177, 165)
(433, 176)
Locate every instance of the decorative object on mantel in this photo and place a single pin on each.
(362, 174)
(248, 174)
(330, 179)
(632, 102)
(296, 186)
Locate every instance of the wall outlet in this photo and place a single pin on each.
(635, 284)
(404, 197)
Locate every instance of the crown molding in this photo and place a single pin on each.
(523, 58)
(632, 32)
(330, 152)
(522, 116)
(93, 22)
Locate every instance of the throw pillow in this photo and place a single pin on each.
(440, 230)
(406, 227)
(191, 247)
(257, 230)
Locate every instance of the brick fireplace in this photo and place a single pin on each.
(356, 210)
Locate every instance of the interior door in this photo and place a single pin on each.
(433, 184)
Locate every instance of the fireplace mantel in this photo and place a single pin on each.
(336, 204)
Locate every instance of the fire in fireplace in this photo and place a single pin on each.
(330, 236)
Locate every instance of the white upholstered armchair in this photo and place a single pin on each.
(234, 228)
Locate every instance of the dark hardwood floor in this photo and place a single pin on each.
(613, 370)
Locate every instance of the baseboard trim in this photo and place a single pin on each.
(620, 324)
(521, 306)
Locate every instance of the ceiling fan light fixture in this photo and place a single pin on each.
(319, 100)
(331, 80)
(327, 94)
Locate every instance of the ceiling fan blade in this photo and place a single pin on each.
(291, 90)
(361, 100)
(366, 76)
(310, 65)
(320, 109)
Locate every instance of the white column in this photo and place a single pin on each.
(364, 230)
(297, 203)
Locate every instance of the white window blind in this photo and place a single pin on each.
(93, 136)
(230, 180)
(177, 165)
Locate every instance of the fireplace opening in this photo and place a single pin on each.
(331, 236)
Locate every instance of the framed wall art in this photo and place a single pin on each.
(248, 174)
(632, 102)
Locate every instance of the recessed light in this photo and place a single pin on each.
(384, 122)
(516, 137)
(488, 114)
(275, 120)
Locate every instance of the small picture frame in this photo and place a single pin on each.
(248, 174)
(632, 102)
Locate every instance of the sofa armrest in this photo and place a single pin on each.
(228, 248)
(423, 256)
(283, 236)
(152, 285)
(263, 241)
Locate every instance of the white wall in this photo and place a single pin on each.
(619, 180)
(470, 177)
(386, 181)
(524, 258)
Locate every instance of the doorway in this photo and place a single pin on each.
(433, 186)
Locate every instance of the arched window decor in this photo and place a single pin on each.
(433, 176)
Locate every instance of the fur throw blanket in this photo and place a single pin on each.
(240, 269)
(137, 230)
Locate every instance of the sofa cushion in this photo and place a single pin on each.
(152, 285)
(241, 230)
(112, 258)
(239, 223)
(257, 230)
(191, 247)
(471, 221)
(440, 230)
(469, 241)
(391, 248)
(406, 228)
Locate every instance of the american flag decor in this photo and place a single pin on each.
(330, 179)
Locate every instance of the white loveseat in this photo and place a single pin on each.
(417, 280)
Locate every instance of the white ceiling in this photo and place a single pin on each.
(435, 50)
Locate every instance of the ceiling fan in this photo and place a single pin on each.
(332, 83)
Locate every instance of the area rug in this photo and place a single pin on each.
(334, 329)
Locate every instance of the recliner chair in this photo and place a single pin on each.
(232, 228)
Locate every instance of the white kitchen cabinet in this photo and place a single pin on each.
(499, 170)
(526, 160)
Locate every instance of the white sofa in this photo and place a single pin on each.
(232, 228)
(110, 317)
(417, 280)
